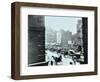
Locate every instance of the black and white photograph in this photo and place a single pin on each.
(57, 40)
(53, 40)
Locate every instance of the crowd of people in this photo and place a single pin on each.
(63, 56)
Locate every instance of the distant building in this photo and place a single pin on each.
(59, 36)
(77, 38)
(79, 32)
(50, 36)
(62, 38)
(74, 38)
(66, 38)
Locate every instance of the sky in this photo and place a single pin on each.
(61, 22)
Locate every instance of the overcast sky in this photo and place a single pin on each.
(66, 23)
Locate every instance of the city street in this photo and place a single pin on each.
(67, 60)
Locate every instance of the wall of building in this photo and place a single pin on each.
(36, 39)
